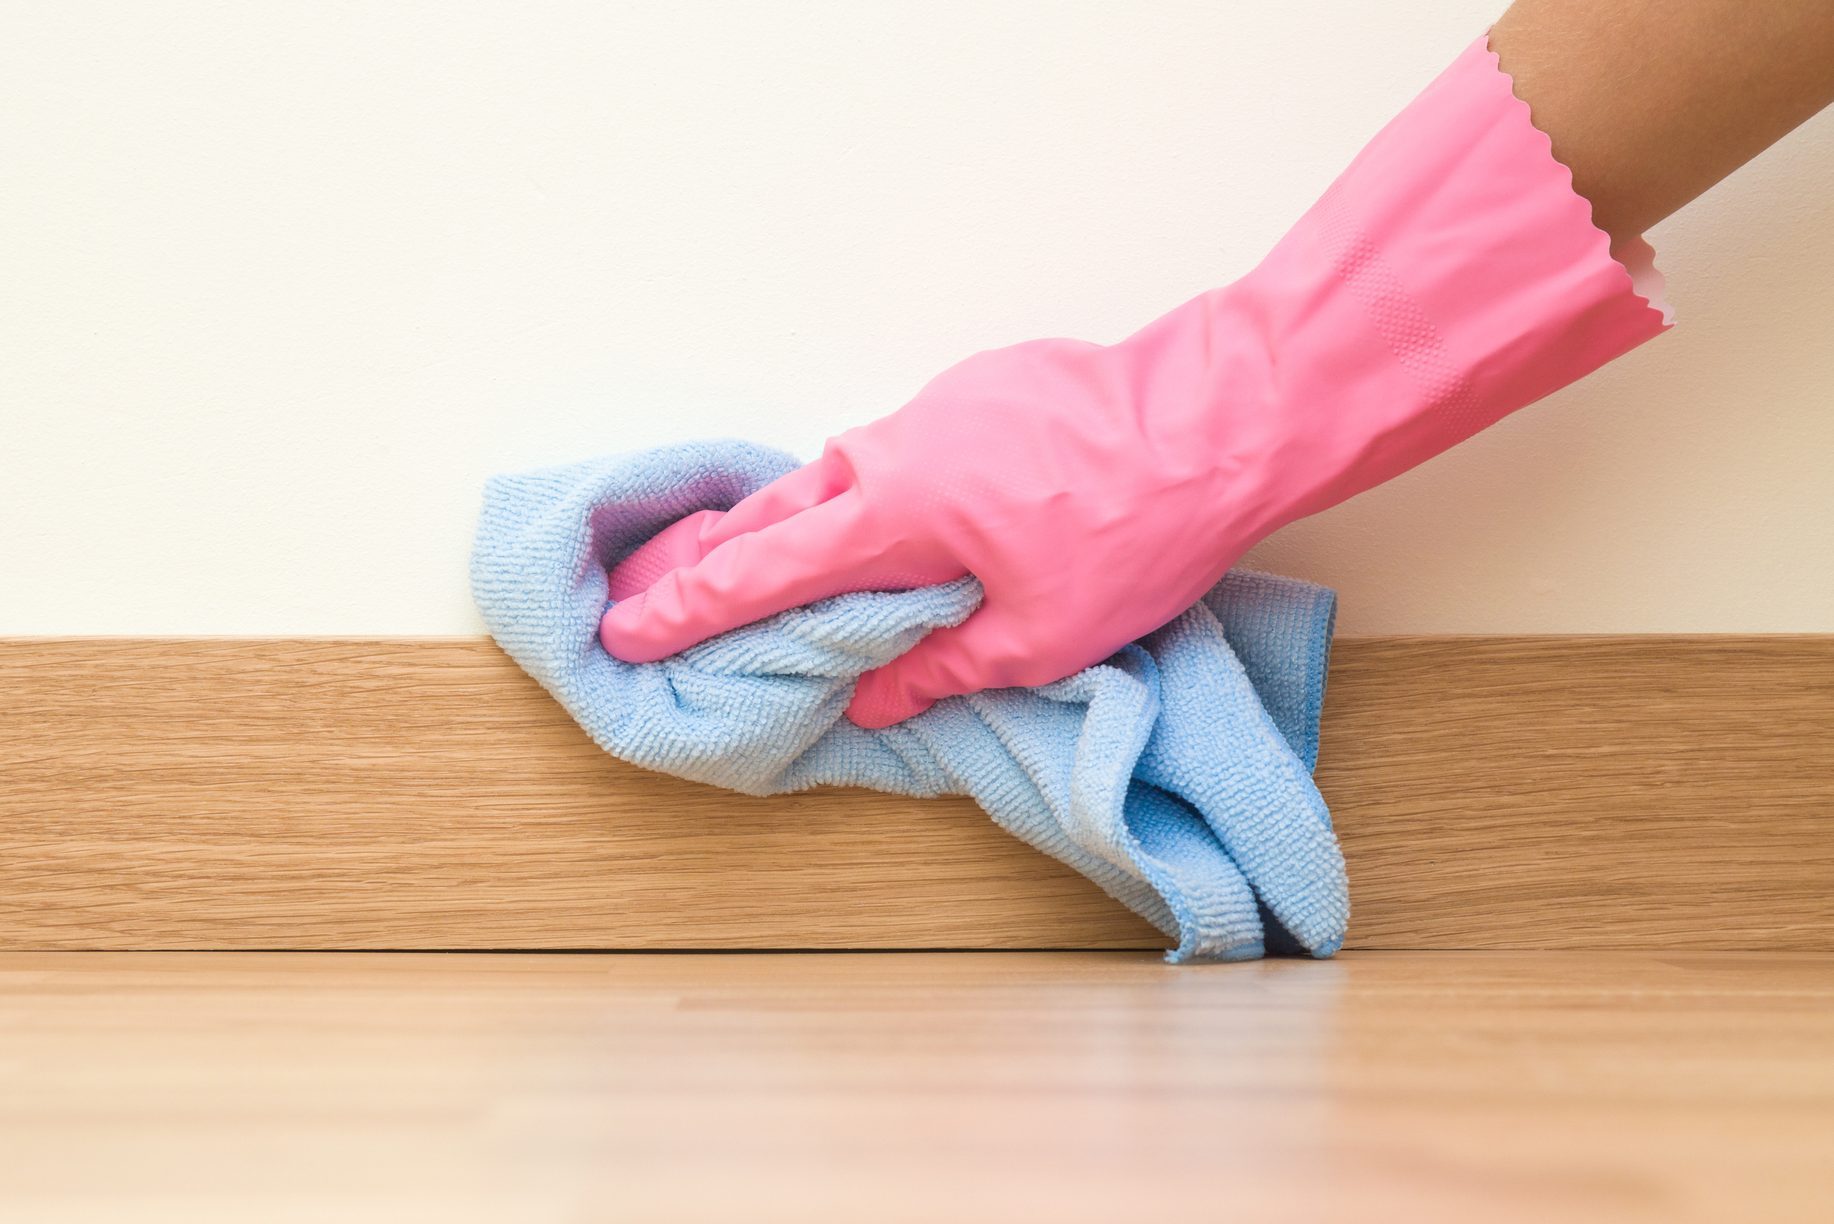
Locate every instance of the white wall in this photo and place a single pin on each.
(284, 281)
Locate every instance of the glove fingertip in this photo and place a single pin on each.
(881, 700)
(621, 631)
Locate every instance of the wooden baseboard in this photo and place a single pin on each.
(1560, 792)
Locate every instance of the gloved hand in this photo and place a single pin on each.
(1448, 277)
(1096, 492)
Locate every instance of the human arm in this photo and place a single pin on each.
(1451, 275)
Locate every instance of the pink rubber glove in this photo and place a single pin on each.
(1447, 278)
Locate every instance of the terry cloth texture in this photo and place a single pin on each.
(1176, 775)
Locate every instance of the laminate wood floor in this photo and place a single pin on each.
(887, 1086)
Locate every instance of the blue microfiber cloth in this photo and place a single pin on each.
(1176, 775)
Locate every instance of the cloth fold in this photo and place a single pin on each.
(1176, 775)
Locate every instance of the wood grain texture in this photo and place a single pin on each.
(1631, 792)
(1094, 1086)
(1565, 792)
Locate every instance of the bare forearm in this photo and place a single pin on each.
(1651, 102)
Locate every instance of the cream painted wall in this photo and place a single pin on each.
(285, 281)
